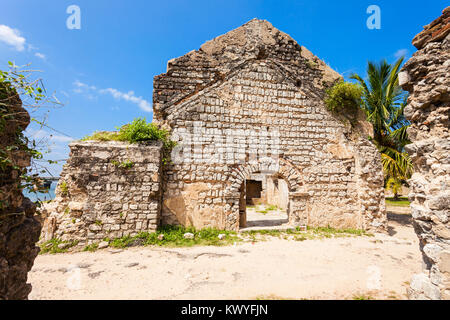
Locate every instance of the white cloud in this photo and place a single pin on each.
(400, 53)
(129, 96)
(80, 84)
(40, 55)
(30, 47)
(65, 93)
(116, 94)
(42, 134)
(59, 138)
(12, 37)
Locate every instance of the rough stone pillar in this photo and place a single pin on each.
(426, 77)
(19, 230)
(297, 211)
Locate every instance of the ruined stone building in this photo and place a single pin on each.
(426, 77)
(251, 101)
(247, 112)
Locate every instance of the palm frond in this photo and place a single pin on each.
(384, 103)
(395, 163)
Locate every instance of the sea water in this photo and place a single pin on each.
(42, 196)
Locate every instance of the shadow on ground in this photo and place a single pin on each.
(267, 223)
(402, 219)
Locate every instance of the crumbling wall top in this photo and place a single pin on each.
(435, 31)
(215, 59)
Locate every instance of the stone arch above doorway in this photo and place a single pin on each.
(285, 170)
(282, 167)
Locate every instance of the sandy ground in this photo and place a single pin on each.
(273, 219)
(338, 268)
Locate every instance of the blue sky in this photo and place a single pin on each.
(103, 73)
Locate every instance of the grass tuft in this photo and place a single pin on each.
(363, 297)
(51, 246)
(312, 233)
(174, 237)
(91, 247)
(401, 202)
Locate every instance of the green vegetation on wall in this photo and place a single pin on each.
(127, 164)
(344, 96)
(139, 130)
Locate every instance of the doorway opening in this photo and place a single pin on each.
(264, 202)
(253, 191)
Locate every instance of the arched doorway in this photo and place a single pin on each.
(285, 189)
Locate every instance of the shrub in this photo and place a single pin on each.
(139, 130)
(52, 246)
(91, 247)
(344, 96)
(127, 164)
(64, 188)
(103, 136)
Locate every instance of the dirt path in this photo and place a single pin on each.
(338, 268)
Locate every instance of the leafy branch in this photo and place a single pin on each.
(21, 94)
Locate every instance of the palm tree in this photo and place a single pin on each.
(395, 186)
(384, 102)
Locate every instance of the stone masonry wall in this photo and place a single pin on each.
(19, 229)
(252, 101)
(426, 77)
(107, 190)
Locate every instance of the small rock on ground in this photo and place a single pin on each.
(113, 251)
(188, 235)
(103, 245)
(133, 264)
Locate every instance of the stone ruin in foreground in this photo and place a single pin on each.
(426, 77)
(19, 228)
(247, 110)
